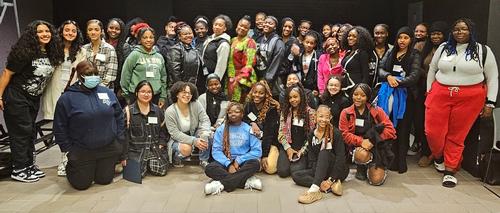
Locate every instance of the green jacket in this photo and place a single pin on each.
(141, 65)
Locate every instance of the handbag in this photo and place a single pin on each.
(158, 165)
(490, 168)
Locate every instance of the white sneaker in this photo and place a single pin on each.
(61, 168)
(439, 166)
(214, 188)
(253, 183)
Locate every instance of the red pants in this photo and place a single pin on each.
(450, 112)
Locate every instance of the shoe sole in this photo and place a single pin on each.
(24, 180)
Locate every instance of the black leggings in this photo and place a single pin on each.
(324, 169)
(402, 143)
(286, 168)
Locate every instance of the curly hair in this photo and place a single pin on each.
(75, 44)
(121, 38)
(180, 86)
(226, 145)
(28, 46)
(302, 108)
(268, 101)
(226, 19)
(364, 39)
(471, 52)
(328, 135)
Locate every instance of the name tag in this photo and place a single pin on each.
(252, 116)
(397, 68)
(360, 122)
(103, 95)
(205, 71)
(100, 57)
(297, 122)
(150, 74)
(153, 120)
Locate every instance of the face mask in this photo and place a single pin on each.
(91, 81)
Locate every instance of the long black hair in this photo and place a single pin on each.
(75, 44)
(364, 39)
(121, 38)
(471, 52)
(28, 46)
(287, 107)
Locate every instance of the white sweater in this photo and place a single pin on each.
(467, 72)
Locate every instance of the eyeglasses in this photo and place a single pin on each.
(186, 93)
(460, 30)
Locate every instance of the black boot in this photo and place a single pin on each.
(361, 172)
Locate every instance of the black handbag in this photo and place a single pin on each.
(158, 165)
(490, 168)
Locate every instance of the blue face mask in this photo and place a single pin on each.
(91, 81)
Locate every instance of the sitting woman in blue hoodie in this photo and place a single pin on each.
(236, 152)
(89, 125)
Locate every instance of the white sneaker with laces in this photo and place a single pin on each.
(214, 188)
(253, 183)
(61, 168)
(24, 175)
(439, 166)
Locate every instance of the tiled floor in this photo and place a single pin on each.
(181, 190)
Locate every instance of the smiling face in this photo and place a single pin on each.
(352, 38)
(148, 40)
(359, 98)
(235, 114)
(186, 35)
(420, 32)
(461, 33)
(291, 80)
(184, 96)
(114, 29)
(287, 29)
(259, 21)
(333, 86)
(69, 32)
(304, 28)
(404, 41)
(437, 38)
(219, 27)
(43, 34)
(294, 98)
(201, 30)
(269, 26)
(309, 44)
(242, 28)
(380, 35)
(327, 31)
(259, 94)
(323, 117)
(170, 29)
(333, 46)
(94, 31)
(145, 94)
(214, 86)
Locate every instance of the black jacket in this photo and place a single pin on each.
(340, 169)
(271, 57)
(358, 66)
(336, 103)
(411, 64)
(310, 81)
(183, 63)
(288, 64)
(269, 126)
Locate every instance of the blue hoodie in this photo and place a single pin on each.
(88, 119)
(244, 146)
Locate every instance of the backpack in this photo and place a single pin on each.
(483, 58)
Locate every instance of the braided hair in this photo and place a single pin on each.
(268, 101)
(328, 135)
(226, 145)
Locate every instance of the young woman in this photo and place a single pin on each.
(296, 122)
(308, 63)
(421, 36)
(326, 31)
(399, 71)
(201, 32)
(256, 32)
(329, 63)
(30, 65)
(468, 75)
(241, 75)
(100, 53)
(370, 131)
(183, 61)
(216, 48)
(236, 153)
(359, 45)
(326, 160)
(380, 36)
(63, 77)
(188, 124)
(293, 79)
(116, 35)
(130, 37)
(270, 55)
(145, 63)
(335, 98)
(262, 114)
(335, 31)
(438, 30)
(89, 125)
(214, 101)
(291, 50)
(146, 134)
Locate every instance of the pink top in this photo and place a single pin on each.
(325, 71)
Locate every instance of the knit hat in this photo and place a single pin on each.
(439, 26)
(138, 27)
(406, 30)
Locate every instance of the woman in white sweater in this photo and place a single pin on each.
(462, 83)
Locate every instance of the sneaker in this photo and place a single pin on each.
(118, 168)
(36, 171)
(310, 197)
(253, 183)
(439, 167)
(414, 149)
(214, 188)
(24, 175)
(177, 162)
(203, 164)
(449, 181)
(61, 168)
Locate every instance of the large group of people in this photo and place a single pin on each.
(305, 106)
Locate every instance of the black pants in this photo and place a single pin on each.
(286, 168)
(418, 123)
(20, 114)
(218, 172)
(87, 166)
(324, 168)
(402, 143)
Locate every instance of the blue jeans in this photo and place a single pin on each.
(204, 155)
